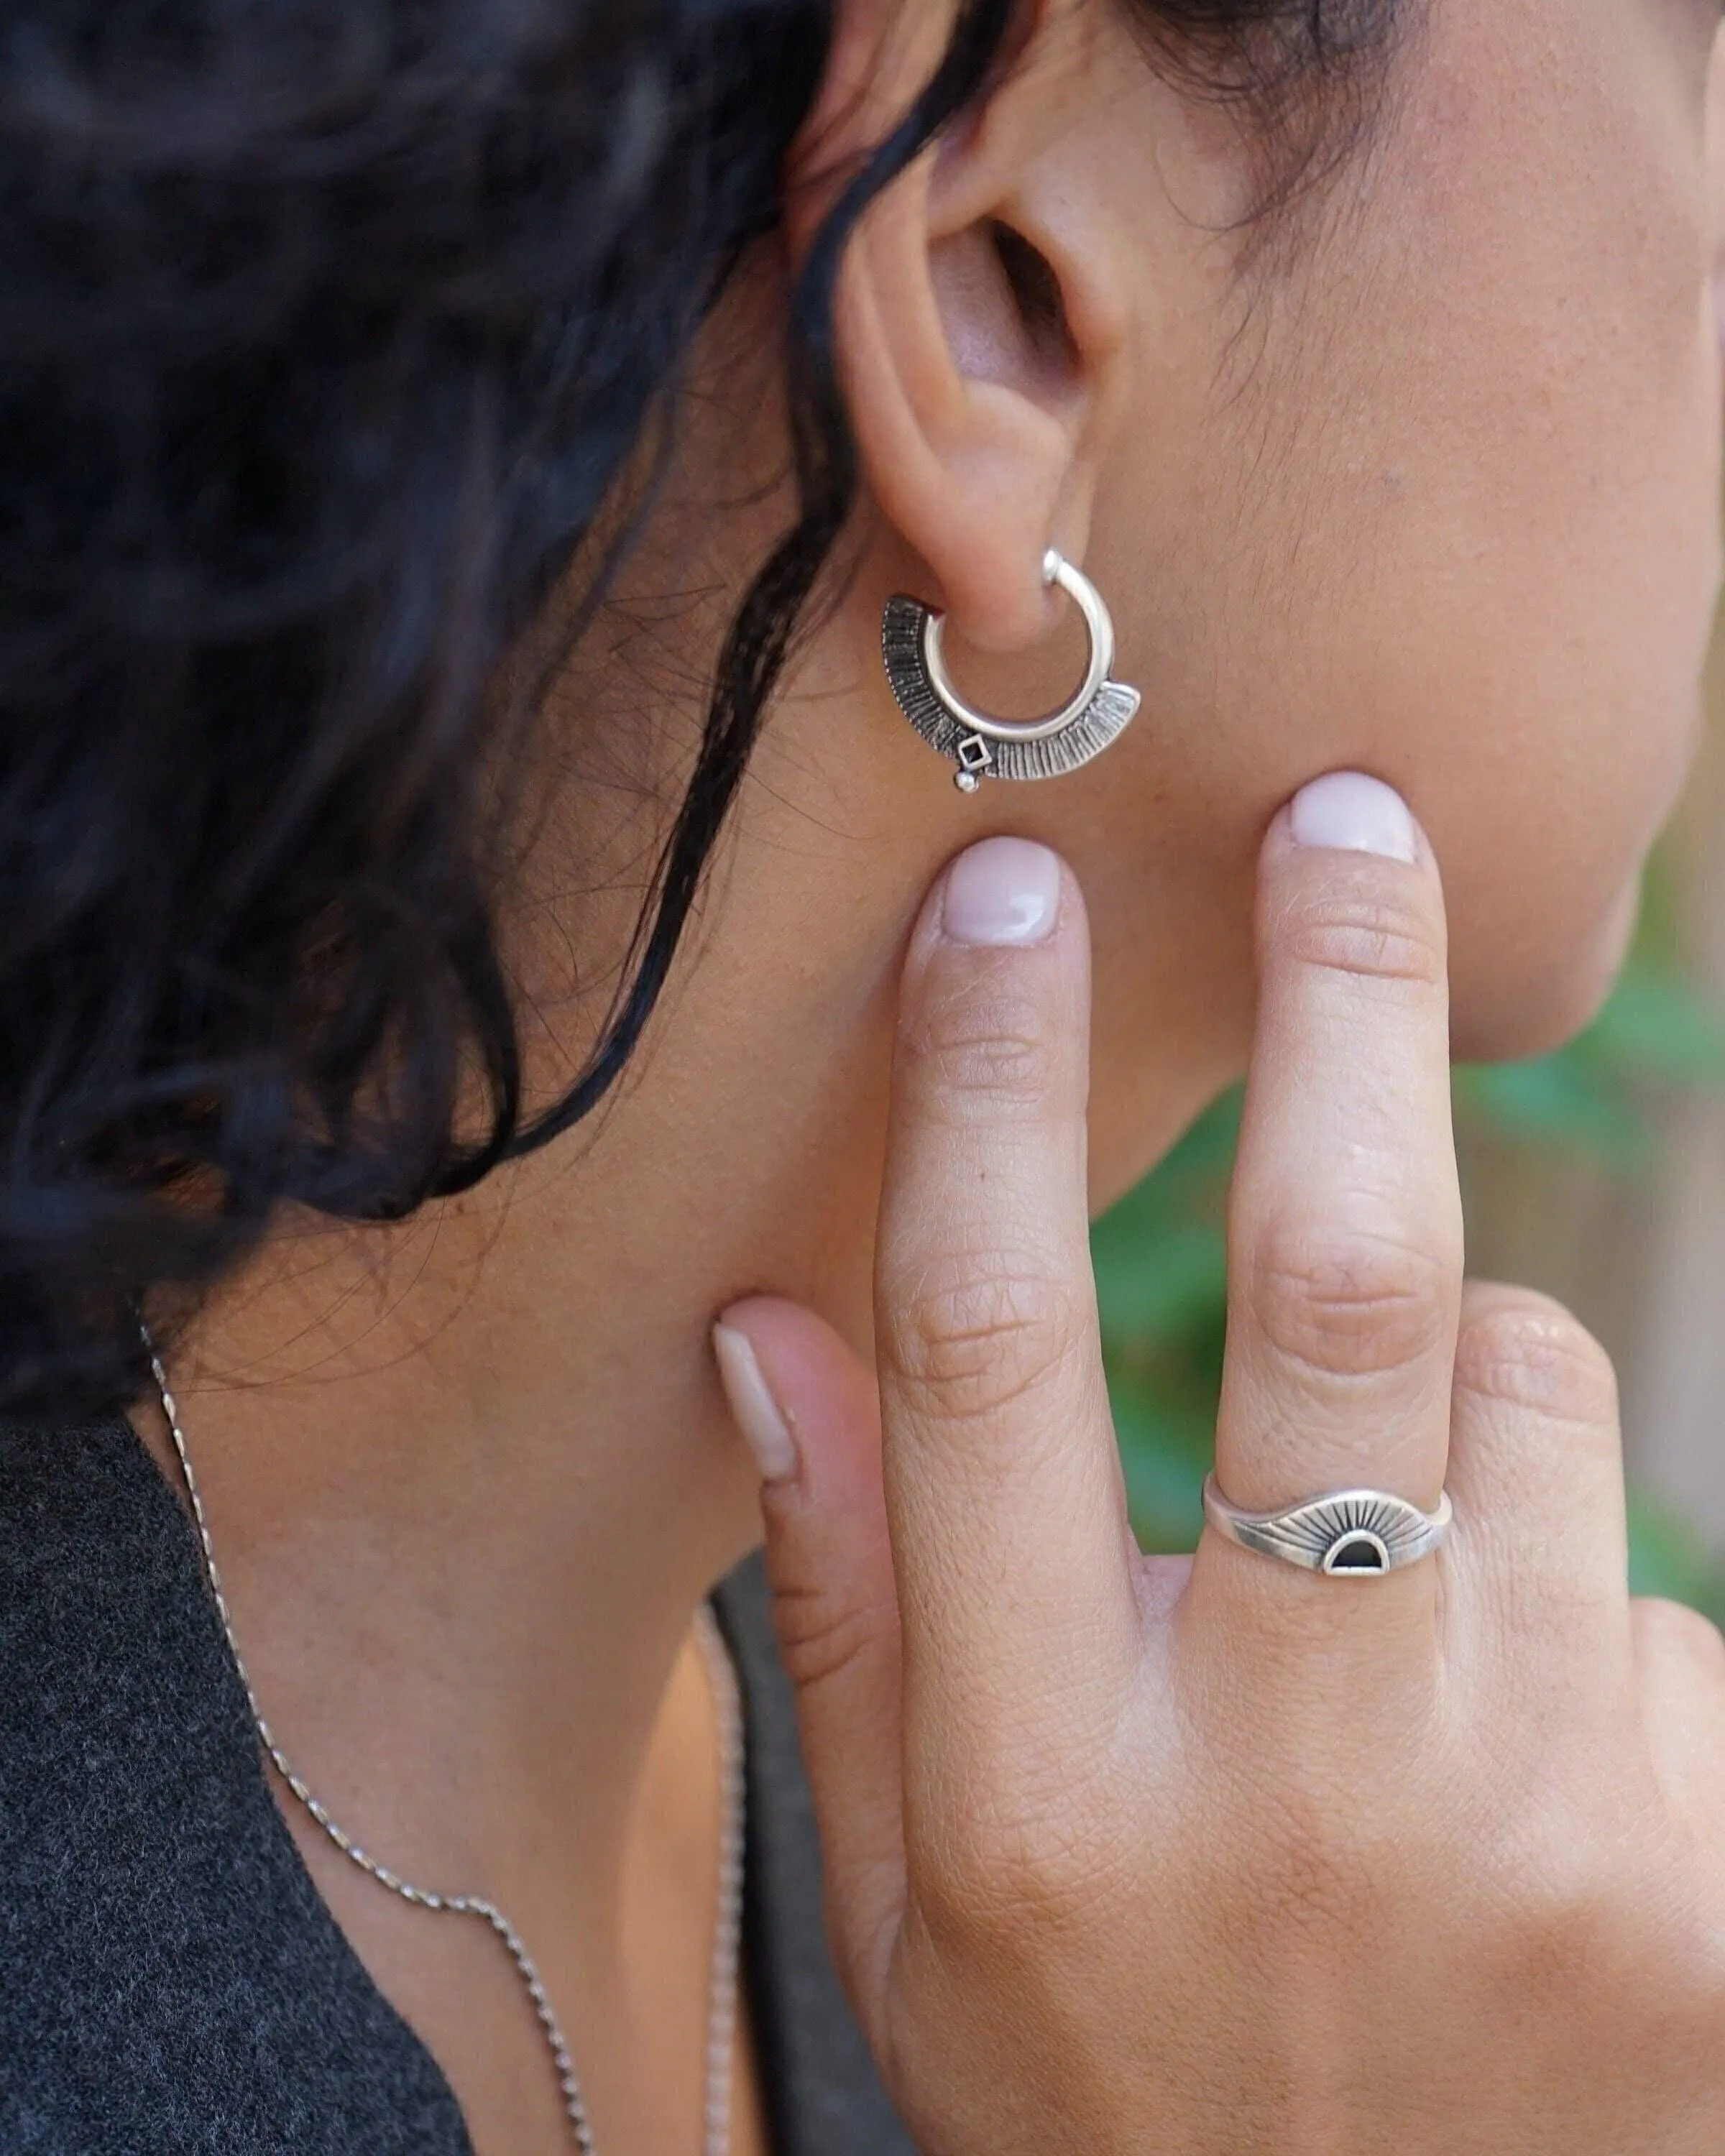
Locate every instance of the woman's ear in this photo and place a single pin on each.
(977, 341)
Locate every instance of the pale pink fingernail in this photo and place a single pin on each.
(1352, 814)
(1002, 891)
(752, 1406)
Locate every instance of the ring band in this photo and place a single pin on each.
(1351, 1534)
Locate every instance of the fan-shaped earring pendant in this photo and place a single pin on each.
(984, 747)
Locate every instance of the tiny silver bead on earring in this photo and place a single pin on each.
(981, 747)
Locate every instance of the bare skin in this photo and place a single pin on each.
(1427, 489)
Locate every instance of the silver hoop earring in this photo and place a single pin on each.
(984, 747)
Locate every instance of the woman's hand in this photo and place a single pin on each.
(1219, 1855)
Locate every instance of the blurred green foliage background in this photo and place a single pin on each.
(1161, 1255)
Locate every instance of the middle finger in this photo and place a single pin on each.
(1345, 1222)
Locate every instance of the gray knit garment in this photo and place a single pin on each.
(171, 1981)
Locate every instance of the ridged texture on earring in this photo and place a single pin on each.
(1044, 749)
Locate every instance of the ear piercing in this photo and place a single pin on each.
(984, 747)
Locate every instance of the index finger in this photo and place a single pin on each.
(1345, 1255)
(1011, 1546)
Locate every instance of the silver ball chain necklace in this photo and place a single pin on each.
(721, 1994)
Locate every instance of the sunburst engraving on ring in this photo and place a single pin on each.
(984, 748)
(1350, 1534)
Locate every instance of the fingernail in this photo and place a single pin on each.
(1354, 814)
(1002, 891)
(752, 1406)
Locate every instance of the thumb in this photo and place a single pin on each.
(810, 1411)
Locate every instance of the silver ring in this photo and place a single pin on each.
(1056, 570)
(1351, 1534)
(984, 747)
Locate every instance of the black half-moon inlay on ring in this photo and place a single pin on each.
(1357, 1552)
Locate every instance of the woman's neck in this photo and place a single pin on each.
(465, 1499)
(466, 1489)
(468, 1478)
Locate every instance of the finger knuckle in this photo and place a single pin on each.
(1366, 935)
(997, 1876)
(821, 1633)
(1532, 1356)
(1691, 1959)
(975, 1335)
(1571, 1919)
(1538, 1924)
(1348, 1304)
(1672, 1631)
(1552, 1906)
(981, 1048)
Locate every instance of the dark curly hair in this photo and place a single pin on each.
(328, 328)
